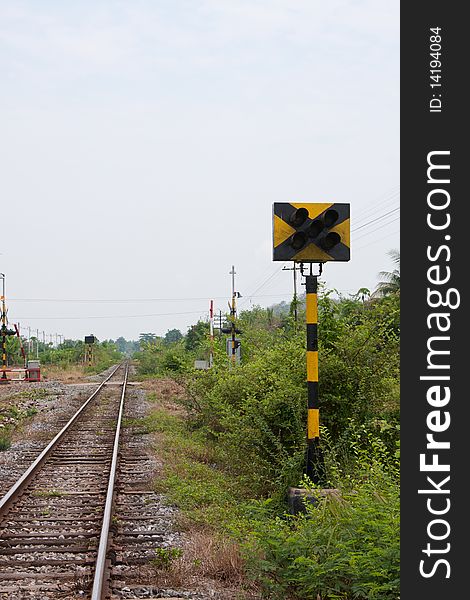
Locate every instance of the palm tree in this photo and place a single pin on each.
(362, 293)
(391, 281)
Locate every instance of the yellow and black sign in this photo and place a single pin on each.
(313, 232)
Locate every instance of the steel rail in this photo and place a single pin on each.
(100, 565)
(21, 483)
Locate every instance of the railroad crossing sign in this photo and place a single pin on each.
(311, 232)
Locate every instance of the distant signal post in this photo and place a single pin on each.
(234, 344)
(89, 341)
(308, 234)
(4, 332)
(211, 333)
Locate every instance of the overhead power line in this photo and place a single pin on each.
(366, 233)
(383, 237)
(192, 312)
(390, 212)
(112, 300)
(374, 205)
(265, 282)
(133, 300)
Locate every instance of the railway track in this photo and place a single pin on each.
(68, 529)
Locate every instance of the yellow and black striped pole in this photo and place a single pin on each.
(315, 466)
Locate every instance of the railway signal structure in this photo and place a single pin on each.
(233, 345)
(89, 341)
(4, 332)
(312, 233)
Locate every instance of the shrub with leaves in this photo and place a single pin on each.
(255, 414)
(346, 546)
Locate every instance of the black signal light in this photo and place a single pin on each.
(298, 217)
(298, 240)
(330, 218)
(330, 240)
(315, 228)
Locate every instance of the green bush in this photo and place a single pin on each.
(5, 441)
(255, 415)
(158, 357)
(346, 547)
(257, 411)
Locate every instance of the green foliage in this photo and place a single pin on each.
(345, 547)
(105, 354)
(70, 352)
(34, 393)
(5, 440)
(53, 493)
(148, 359)
(390, 285)
(193, 477)
(196, 334)
(158, 357)
(359, 370)
(257, 411)
(164, 557)
(126, 347)
(250, 421)
(147, 338)
(173, 335)
(16, 413)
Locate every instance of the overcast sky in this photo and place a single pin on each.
(143, 142)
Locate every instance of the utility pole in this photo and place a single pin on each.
(37, 343)
(233, 314)
(233, 273)
(211, 331)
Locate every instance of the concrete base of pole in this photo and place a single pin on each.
(298, 497)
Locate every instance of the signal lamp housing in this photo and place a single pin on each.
(330, 240)
(298, 217)
(313, 232)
